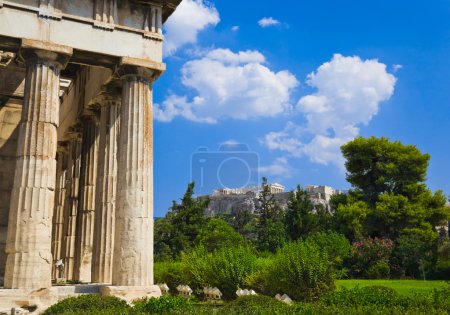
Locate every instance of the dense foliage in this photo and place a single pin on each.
(90, 305)
(385, 227)
(368, 300)
(301, 269)
(270, 228)
(178, 231)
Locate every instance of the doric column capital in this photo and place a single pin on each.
(74, 133)
(89, 115)
(146, 70)
(111, 94)
(62, 147)
(36, 51)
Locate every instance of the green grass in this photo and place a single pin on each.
(403, 287)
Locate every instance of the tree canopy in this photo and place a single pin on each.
(377, 165)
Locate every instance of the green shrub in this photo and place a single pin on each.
(336, 245)
(90, 305)
(366, 296)
(371, 255)
(226, 269)
(255, 305)
(163, 305)
(219, 234)
(416, 254)
(300, 270)
(379, 270)
(170, 272)
(383, 300)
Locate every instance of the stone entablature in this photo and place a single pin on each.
(99, 25)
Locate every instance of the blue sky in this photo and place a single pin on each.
(293, 81)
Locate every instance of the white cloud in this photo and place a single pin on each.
(229, 85)
(349, 93)
(287, 140)
(268, 21)
(279, 168)
(191, 17)
(235, 28)
(226, 56)
(395, 68)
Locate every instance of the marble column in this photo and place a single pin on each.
(105, 198)
(85, 214)
(71, 205)
(28, 247)
(58, 214)
(133, 244)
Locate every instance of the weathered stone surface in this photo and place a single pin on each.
(104, 222)
(10, 115)
(28, 244)
(133, 244)
(58, 214)
(71, 204)
(131, 293)
(85, 214)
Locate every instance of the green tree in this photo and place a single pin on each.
(350, 219)
(242, 217)
(218, 234)
(389, 177)
(301, 219)
(181, 225)
(377, 165)
(270, 229)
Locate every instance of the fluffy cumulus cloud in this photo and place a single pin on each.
(280, 168)
(191, 17)
(237, 85)
(348, 94)
(268, 21)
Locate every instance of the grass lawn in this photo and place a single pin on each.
(404, 287)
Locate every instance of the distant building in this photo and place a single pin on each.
(230, 200)
(274, 188)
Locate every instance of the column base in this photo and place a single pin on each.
(131, 293)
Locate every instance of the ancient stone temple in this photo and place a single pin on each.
(76, 151)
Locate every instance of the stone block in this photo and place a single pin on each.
(130, 294)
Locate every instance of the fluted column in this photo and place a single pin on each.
(105, 198)
(58, 214)
(71, 205)
(133, 248)
(132, 275)
(28, 247)
(85, 214)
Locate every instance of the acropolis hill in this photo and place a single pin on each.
(231, 200)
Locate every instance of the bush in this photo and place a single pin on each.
(443, 259)
(163, 305)
(219, 234)
(336, 245)
(370, 256)
(255, 305)
(90, 305)
(300, 270)
(366, 296)
(380, 270)
(169, 272)
(416, 255)
(383, 300)
(226, 269)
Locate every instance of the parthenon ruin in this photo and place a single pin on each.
(76, 151)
